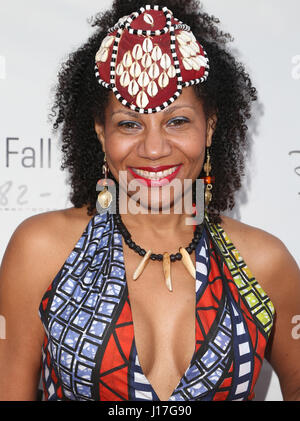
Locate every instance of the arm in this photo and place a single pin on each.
(278, 274)
(283, 350)
(23, 279)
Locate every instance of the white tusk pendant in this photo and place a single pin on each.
(167, 271)
(187, 261)
(141, 265)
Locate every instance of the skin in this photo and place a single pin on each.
(41, 244)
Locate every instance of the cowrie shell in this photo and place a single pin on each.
(127, 59)
(156, 53)
(171, 72)
(187, 63)
(152, 89)
(102, 55)
(146, 60)
(195, 63)
(135, 69)
(119, 69)
(143, 80)
(106, 43)
(148, 19)
(195, 47)
(163, 80)
(133, 88)
(185, 51)
(142, 100)
(201, 60)
(181, 40)
(125, 79)
(147, 45)
(153, 71)
(191, 50)
(165, 61)
(137, 52)
(187, 36)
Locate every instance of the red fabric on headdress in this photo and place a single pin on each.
(148, 57)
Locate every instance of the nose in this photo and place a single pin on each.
(154, 144)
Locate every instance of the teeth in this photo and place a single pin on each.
(155, 175)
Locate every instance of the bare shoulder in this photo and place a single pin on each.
(44, 241)
(265, 254)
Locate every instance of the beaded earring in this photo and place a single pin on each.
(208, 179)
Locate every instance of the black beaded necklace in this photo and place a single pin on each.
(139, 250)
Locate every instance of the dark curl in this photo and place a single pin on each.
(228, 93)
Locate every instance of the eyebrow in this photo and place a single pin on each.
(168, 110)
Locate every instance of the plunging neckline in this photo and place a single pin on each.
(134, 346)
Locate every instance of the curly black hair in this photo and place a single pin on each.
(228, 92)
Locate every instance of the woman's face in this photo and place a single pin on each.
(154, 150)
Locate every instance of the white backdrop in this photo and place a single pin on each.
(36, 36)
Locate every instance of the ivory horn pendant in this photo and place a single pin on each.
(187, 261)
(167, 271)
(142, 265)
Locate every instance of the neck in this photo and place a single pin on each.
(159, 222)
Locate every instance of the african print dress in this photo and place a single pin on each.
(89, 350)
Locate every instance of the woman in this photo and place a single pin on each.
(156, 97)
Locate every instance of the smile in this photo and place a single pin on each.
(153, 175)
(156, 176)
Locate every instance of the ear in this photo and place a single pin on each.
(210, 129)
(99, 129)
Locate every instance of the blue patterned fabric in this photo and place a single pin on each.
(89, 351)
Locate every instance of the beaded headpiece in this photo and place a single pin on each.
(148, 57)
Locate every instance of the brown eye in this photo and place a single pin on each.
(178, 121)
(129, 125)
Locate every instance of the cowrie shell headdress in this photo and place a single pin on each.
(147, 58)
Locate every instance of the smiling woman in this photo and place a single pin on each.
(143, 306)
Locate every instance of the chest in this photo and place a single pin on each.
(164, 321)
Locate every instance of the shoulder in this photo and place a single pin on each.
(266, 256)
(40, 245)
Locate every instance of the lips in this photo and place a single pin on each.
(155, 169)
(156, 176)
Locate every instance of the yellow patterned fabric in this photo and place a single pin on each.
(258, 301)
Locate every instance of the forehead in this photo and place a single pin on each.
(188, 98)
